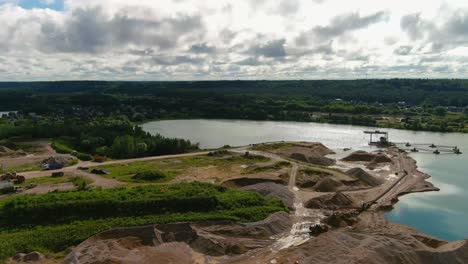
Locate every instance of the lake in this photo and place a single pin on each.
(7, 112)
(440, 214)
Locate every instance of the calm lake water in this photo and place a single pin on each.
(7, 112)
(441, 214)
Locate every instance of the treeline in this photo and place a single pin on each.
(115, 137)
(357, 102)
(415, 91)
(59, 208)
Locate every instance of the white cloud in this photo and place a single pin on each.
(228, 39)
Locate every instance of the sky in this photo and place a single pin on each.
(232, 39)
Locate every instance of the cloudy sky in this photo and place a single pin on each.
(232, 39)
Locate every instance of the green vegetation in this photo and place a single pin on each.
(153, 175)
(61, 146)
(79, 182)
(399, 103)
(273, 167)
(20, 168)
(46, 180)
(53, 222)
(170, 168)
(115, 137)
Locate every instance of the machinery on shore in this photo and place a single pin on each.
(383, 141)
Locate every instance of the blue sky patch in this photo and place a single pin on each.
(52, 4)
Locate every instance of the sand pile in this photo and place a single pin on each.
(246, 181)
(179, 242)
(271, 189)
(331, 202)
(378, 247)
(307, 180)
(364, 176)
(319, 149)
(327, 185)
(274, 224)
(313, 159)
(310, 153)
(361, 155)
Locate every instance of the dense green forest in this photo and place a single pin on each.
(114, 137)
(434, 105)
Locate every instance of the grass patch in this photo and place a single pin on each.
(171, 168)
(21, 168)
(53, 222)
(77, 181)
(273, 167)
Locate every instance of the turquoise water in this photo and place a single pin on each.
(441, 214)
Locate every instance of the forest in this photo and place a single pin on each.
(417, 104)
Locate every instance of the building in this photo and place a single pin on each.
(6, 187)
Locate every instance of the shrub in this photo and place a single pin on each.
(61, 148)
(153, 175)
(82, 156)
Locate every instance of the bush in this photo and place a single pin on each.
(82, 156)
(61, 148)
(81, 183)
(150, 176)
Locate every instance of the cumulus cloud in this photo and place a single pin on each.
(339, 26)
(227, 39)
(89, 30)
(271, 49)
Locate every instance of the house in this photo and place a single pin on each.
(6, 187)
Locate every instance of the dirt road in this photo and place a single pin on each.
(101, 181)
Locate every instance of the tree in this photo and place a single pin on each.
(440, 111)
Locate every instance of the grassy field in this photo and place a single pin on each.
(51, 223)
(273, 167)
(55, 180)
(171, 168)
(21, 168)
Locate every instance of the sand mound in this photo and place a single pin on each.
(246, 181)
(350, 247)
(299, 156)
(381, 158)
(308, 181)
(331, 202)
(361, 155)
(179, 242)
(271, 189)
(327, 185)
(322, 161)
(316, 160)
(319, 149)
(365, 177)
(274, 224)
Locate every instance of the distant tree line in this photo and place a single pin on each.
(115, 137)
(421, 103)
